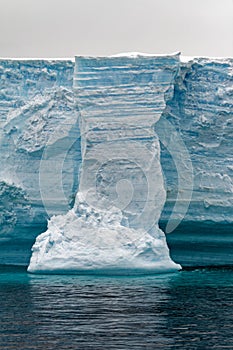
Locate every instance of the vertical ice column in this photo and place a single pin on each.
(120, 98)
(113, 227)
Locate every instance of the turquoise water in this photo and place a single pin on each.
(184, 310)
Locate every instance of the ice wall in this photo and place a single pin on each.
(113, 226)
(37, 122)
(201, 110)
(40, 156)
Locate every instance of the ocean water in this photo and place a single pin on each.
(185, 310)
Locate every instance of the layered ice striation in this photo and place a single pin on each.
(113, 226)
(40, 155)
(201, 110)
(38, 133)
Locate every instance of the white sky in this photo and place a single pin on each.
(65, 28)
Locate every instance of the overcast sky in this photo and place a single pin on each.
(64, 28)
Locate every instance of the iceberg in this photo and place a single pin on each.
(113, 226)
(40, 154)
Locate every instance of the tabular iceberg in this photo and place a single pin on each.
(113, 226)
(40, 156)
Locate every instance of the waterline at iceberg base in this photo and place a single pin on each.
(40, 154)
(113, 227)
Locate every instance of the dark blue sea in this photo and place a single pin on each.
(184, 310)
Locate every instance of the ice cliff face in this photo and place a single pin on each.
(202, 110)
(113, 226)
(40, 155)
(36, 114)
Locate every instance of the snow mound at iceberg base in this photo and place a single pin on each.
(89, 240)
